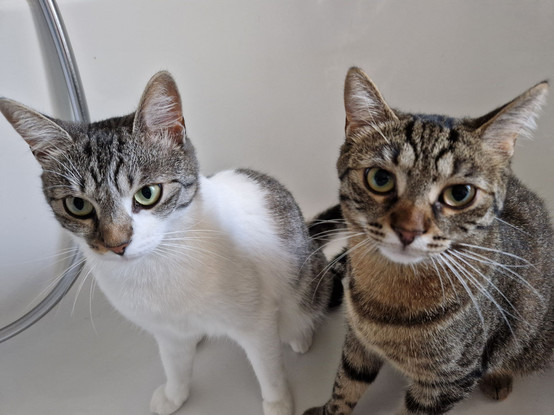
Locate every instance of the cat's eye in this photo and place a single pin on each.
(148, 196)
(458, 196)
(78, 207)
(379, 180)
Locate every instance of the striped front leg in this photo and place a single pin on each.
(358, 368)
(436, 398)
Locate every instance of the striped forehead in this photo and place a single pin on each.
(105, 160)
(426, 143)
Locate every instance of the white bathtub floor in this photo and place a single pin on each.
(65, 365)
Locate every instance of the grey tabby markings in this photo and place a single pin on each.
(475, 304)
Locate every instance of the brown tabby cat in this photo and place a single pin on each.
(450, 265)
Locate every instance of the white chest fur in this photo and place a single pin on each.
(211, 266)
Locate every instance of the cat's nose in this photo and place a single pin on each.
(119, 249)
(407, 236)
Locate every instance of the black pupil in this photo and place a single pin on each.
(381, 178)
(460, 192)
(78, 203)
(146, 192)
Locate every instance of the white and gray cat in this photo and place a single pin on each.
(181, 255)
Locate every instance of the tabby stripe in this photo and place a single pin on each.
(130, 179)
(95, 176)
(187, 203)
(343, 175)
(116, 173)
(358, 375)
(186, 185)
(351, 405)
(396, 155)
(445, 402)
(183, 205)
(441, 154)
(464, 382)
(409, 131)
(345, 198)
(453, 136)
(87, 149)
(383, 314)
(171, 200)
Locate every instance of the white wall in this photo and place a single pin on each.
(261, 83)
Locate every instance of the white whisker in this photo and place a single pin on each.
(512, 226)
(511, 273)
(497, 251)
(460, 257)
(451, 265)
(79, 288)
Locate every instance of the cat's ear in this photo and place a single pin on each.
(500, 128)
(42, 134)
(364, 104)
(159, 110)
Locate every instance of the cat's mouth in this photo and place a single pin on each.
(404, 255)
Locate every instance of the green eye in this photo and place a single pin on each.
(458, 196)
(148, 196)
(78, 207)
(379, 180)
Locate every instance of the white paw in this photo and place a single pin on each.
(283, 406)
(165, 402)
(302, 344)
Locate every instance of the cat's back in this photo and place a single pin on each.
(255, 209)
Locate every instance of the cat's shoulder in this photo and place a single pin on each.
(242, 179)
(525, 208)
(251, 188)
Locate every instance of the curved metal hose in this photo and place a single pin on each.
(69, 93)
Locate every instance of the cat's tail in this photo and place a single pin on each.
(326, 225)
(323, 228)
(338, 271)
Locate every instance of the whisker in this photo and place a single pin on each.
(91, 295)
(440, 262)
(440, 278)
(514, 275)
(326, 269)
(512, 226)
(68, 178)
(79, 288)
(508, 254)
(191, 248)
(491, 284)
(489, 296)
(451, 265)
(59, 256)
(326, 244)
(55, 280)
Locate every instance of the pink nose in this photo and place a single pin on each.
(120, 249)
(407, 236)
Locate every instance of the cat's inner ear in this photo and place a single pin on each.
(42, 134)
(365, 107)
(500, 128)
(160, 108)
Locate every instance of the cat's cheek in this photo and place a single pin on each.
(148, 231)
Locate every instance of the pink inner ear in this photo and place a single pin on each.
(162, 113)
(160, 108)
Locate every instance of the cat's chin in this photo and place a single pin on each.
(114, 258)
(402, 255)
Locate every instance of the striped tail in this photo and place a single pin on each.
(322, 229)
